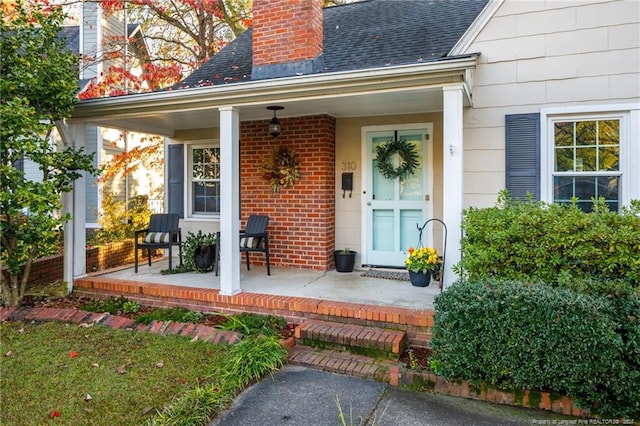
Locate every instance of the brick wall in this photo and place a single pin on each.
(49, 269)
(45, 270)
(286, 31)
(302, 217)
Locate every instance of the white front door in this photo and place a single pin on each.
(393, 207)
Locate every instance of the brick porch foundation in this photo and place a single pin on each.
(416, 323)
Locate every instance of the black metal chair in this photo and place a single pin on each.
(163, 233)
(254, 238)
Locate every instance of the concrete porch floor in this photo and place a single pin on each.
(330, 285)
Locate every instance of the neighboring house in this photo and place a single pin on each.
(537, 96)
(97, 37)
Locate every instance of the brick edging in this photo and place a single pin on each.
(77, 316)
(548, 401)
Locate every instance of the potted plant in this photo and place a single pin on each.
(199, 250)
(344, 259)
(423, 263)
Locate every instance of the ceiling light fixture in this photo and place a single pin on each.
(274, 125)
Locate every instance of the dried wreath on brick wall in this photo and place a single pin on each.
(282, 168)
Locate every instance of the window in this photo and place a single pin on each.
(205, 180)
(587, 161)
(590, 152)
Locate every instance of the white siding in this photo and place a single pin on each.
(113, 41)
(91, 39)
(32, 170)
(91, 188)
(536, 54)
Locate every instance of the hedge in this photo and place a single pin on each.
(518, 336)
(551, 243)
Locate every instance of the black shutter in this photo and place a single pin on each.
(523, 155)
(176, 179)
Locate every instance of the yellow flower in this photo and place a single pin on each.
(423, 259)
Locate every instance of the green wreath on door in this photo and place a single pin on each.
(408, 156)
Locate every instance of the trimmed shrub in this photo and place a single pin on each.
(551, 243)
(518, 336)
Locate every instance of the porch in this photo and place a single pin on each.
(297, 295)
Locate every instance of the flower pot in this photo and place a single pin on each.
(418, 279)
(344, 260)
(204, 256)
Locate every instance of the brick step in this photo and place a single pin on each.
(354, 338)
(341, 362)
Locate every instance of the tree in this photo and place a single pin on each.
(185, 32)
(38, 86)
(119, 81)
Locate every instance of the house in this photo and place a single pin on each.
(539, 97)
(99, 39)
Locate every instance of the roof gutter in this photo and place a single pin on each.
(315, 86)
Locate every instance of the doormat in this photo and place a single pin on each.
(387, 274)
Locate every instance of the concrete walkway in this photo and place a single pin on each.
(298, 396)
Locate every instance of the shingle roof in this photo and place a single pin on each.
(362, 35)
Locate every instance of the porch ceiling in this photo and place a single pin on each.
(392, 91)
(168, 122)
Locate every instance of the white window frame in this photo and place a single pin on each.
(189, 178)
(629, 116)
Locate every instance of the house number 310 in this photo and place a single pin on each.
(349, 166)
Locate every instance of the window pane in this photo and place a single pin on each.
(198, 171)
(585, 159)
(212, 171)
(563, 134)
(562, 189)
(609, 158)
(411, 186)
(199, 197)
(408, 229)
(564, 159)
(584, 187)
(213, 204)
(609, 132)
(383, 230)
(211, 155)
(585, 133)
(607, 187)
(382, 187)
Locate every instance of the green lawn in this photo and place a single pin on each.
(49, 369)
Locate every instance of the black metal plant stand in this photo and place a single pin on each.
(444, 248)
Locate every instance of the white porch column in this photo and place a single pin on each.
(74, 203)
(453, 174)
(229, 201)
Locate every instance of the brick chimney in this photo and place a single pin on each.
(287, 38)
